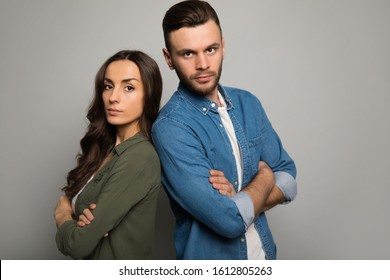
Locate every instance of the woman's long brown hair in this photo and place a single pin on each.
(100, 137)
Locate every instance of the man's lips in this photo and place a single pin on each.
(203, 78)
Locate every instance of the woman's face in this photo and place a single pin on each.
(123, 96)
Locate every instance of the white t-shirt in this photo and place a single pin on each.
(254, 245)
(77, 195)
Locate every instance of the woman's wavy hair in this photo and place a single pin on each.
(100, 137)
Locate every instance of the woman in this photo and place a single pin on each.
(118, 169)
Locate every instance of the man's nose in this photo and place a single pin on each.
(202, 62)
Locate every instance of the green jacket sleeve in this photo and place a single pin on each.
(125, 184)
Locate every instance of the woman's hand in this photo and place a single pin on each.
(87, 217)
(63, 211)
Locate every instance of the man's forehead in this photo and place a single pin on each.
(196, 37)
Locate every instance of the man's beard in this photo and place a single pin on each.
(194, 87)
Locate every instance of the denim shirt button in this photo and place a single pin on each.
(220, 125)
(212, 105)
(204, 109)
(242, 239)
(236, 183)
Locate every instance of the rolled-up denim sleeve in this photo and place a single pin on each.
(245, 207)
(283, 180)
(287, 185)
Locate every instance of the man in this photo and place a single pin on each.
(223, 164)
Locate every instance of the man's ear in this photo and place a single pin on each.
(168, 59)
(223, 47)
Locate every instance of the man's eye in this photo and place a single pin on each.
(211, 50)
(187, 54)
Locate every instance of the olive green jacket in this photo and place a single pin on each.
(125, 191)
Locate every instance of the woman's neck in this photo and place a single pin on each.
(124, 133)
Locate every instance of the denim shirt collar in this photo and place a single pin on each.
(203, 104)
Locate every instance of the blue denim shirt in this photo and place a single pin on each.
(191, 140)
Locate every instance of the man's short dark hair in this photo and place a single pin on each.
(190, 13)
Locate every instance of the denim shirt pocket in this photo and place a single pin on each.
(255, 147)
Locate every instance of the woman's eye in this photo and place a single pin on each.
(107, 87)
(129, 88)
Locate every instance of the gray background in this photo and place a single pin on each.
(320, 68)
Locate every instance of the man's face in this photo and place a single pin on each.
(196, 54)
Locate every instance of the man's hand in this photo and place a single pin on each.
(63, 211)
(218, 180)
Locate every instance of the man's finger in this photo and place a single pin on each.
(215, 172)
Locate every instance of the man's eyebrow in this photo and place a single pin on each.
(213, 45)
(184, 51)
